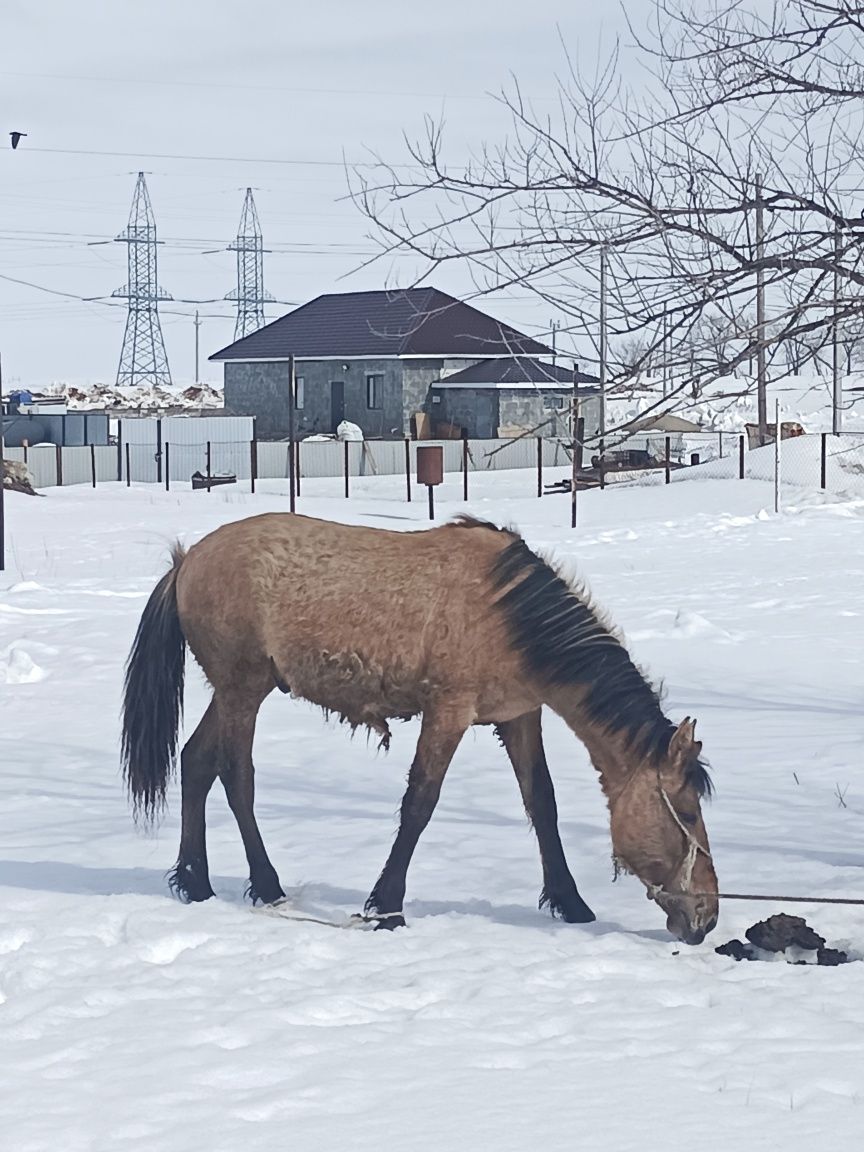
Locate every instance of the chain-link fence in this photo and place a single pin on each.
(815, 461)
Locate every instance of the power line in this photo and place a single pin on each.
(377, 92)
(218, 159)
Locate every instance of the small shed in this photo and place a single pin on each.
(512, 395)
(649, 435)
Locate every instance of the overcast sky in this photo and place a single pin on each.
(277, 93)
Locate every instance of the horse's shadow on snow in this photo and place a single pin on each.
(79, 880)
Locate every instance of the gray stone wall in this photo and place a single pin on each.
(417, 378)
(473, 409)
(259, 390)
(317, 414)
(524, 409)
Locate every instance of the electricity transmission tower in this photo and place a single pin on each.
(249, 293)
(142, 359)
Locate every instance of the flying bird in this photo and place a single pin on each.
(16, 137)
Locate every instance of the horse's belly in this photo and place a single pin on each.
(359, 690)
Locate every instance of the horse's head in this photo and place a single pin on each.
(658, 834)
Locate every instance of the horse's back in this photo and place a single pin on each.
(342, 614)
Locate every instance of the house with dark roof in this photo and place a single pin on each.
(389, 362)
(509, 395)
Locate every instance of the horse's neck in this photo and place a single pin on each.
(609, 751)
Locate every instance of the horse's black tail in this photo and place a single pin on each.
(153, 697)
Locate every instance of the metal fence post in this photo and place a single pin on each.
(209, 459)
(777, 438)
(167, 466)
(465, 466)
(539, 465)
(253, 463)
(823, 469)
(128, 466)
(408, 466)
(740, 457)
(668, 459)
(347, 491)
(93, 464)
(58, 465)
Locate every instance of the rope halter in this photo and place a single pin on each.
(689, 862)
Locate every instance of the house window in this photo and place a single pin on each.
(299, 391)
(555, 403)
(374, 391)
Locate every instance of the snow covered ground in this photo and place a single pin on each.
(132, 1022)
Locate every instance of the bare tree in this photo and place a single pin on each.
(665, 181)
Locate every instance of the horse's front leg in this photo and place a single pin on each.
(523, 740)
(441, 730)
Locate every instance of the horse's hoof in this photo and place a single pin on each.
(187, 886)
(388, 923)
(572, 909)
(580, 915)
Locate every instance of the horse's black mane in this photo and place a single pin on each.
(564, 642)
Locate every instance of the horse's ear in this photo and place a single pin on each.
(684, 747)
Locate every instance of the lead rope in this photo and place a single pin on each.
(365, 920)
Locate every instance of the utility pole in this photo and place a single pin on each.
(664, 353)
(602, 353)
(197, 326)
(837, 421)
(577, 450)
(554, 325)
(761, 383)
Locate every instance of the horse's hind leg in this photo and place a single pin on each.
(237, 731)
(440, 734)
(523, 740)
(198, 766)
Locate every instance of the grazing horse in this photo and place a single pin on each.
(461, 625)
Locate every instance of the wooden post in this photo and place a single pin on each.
(740, 457)
(346, 468)
(408, 466)
(539, 465)
(167, 466)
(58, 458)
(823, 471)
(668, 459)
(292, 475)
(93, 464)
(577, 452)
(209, 460)
(128, 467)
(465, 466)
(253, 464)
